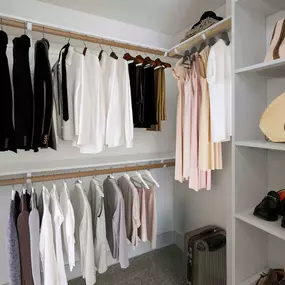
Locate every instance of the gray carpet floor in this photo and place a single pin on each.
(160, 267)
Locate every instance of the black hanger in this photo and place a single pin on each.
(212, 41)
(202, 46)
(112, 54)
(225, 38)
(128, 57)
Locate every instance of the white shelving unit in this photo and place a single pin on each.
(272, 228)
(261, 144)
(275, 68)
(258, 166)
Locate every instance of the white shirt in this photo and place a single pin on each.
(219, 80)
(92, 115)
(57, 218)
(47, 249)
(74, 78)
(68, 226)
(119, 120)
(84, 233)
(96, 200)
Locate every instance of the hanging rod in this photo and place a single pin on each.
(81, 37)
(77, 174)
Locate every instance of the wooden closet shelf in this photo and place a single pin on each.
(211, 32)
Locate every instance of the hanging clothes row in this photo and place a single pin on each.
(62, 227)
(203, 112)
(95, 102)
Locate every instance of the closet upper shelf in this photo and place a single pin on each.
(212, 31)
(81, 163)
(262, 144)
(274, 68)
(273, 228)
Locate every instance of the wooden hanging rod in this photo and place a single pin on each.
(77, 174)
(81, 37)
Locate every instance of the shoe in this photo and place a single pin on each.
(273, 277)
(281, 194)
(269, 208)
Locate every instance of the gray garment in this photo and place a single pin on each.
(34, 226)
(57, 94)
(115, 221)
(126, 187)
(95, 200)
(14, 266)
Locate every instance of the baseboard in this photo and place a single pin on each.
(179, 240)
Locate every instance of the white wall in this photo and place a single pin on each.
(197, 209)
(47, 14)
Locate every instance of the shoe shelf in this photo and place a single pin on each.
(253, 279)
(271, 69)
(261, 144)
(273, 228)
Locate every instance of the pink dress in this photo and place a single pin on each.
(179, 74)
(199, 179)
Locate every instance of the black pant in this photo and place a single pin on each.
(149, 98)
(23, 93)
(7, 134)
(136, 81)
(43, 96)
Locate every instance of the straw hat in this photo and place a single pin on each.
(272, 122)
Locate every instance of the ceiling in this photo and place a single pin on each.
(166, 16)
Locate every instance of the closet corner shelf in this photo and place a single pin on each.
(273, 228)
(253, 279)
(261, 144)
(274, 68)
(212, 31)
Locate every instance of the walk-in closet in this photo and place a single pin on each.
(142, 142)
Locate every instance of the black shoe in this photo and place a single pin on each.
(269, 208)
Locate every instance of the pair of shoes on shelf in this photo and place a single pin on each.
(272, 277)
(272, 205)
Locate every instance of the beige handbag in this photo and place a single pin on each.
(272, 122)
(277, 44)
